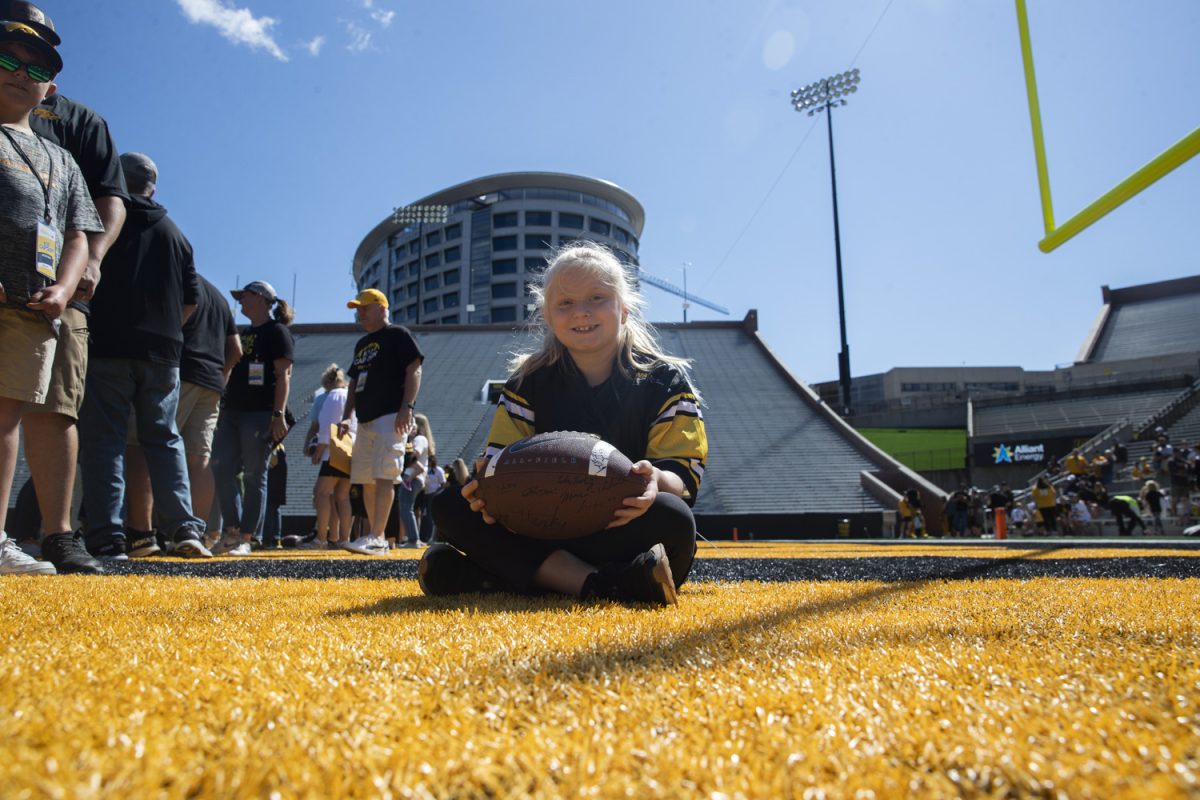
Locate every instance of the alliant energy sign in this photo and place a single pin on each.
(1018, 454)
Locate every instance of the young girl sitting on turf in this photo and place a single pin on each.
(598, 369)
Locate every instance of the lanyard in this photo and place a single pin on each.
(33, 169)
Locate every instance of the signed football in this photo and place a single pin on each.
(558, 485)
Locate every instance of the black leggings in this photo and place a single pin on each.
(514, 558)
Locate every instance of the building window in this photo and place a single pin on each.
(411, 311)
(397, 296)
(620, 234)
(599, 226)
(500, 290)
(431, 305)
(433, 260)
(504, 243)
(433, 238)
(450, 300)
(433, 282)
(508, 314)
(572, 221)
(538, 241)
(450, 276)
(412, 289)
(452, 254)
(414, 267)
(452, 320)
(535, 266)
(414, 247)
(504, 266)
(453, 232)
(538, 218)
(508, 219)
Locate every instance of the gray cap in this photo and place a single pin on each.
(260, 288)
(139, 168)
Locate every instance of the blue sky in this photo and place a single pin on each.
(285, 131)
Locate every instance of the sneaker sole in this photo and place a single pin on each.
(145, 552)
(663, 576)
(191, 549)
(41, 568)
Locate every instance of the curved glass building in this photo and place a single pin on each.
(474, 266)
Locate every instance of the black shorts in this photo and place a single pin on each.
(328, 471)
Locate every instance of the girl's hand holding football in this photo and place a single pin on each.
(468, 493)
(636, 506)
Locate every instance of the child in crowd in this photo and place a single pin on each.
(45, 214)
(599, 369)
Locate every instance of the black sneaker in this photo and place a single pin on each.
(67, 553)
(142, 544)
(188, 545)
(443, 570)
(646, 579)
(112, 550)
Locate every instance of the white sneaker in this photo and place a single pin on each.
(368, 546)
(15, 561)
(224, 543)
(241, 549)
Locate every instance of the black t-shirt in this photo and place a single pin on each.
(204, 335)
(84, 134)
(252, 382)
(377, 374)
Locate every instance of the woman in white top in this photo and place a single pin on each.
(332, 492)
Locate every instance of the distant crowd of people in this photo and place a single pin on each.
(1073, 496)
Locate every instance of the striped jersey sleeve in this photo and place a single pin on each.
(678, 442)
(513, 421)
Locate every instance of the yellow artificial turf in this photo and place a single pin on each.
(187, 687)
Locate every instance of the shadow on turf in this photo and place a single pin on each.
(502, 603)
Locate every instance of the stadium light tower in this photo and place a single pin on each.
(814, 98)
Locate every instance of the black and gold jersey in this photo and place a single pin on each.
(652, 415)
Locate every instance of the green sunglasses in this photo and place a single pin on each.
(36, 73)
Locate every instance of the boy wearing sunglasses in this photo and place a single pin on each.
(45, 214)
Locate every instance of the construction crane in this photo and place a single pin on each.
(688, 299)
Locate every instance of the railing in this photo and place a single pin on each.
(1179, 406)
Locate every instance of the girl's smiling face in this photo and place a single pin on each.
(584, 314)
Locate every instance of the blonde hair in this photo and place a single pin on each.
(423, 429)
(637, 343)
(333, 378)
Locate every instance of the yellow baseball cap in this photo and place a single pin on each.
(369, 297)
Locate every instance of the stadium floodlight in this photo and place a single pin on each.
(814, 98)
(420, 215)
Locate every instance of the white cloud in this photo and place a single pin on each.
(360, 37)
(384, 18)
(238, 25)
(314, 46)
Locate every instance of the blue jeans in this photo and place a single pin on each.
(242, 444)
(114, 387)
(404, 503)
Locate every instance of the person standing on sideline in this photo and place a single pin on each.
(252, 416)
(211, 348)
(45, 215)
(84, 134)
(137, 337)
(384, 381)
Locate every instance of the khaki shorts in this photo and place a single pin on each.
(378, 452)
(27, 347)
(65, 395)
(196, 419)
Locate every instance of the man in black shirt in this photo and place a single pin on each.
(211, 348)
(384, 380)
(137, 337)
